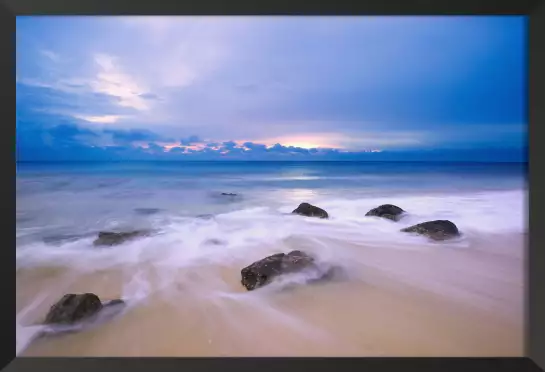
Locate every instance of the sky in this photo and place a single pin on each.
(271, 88)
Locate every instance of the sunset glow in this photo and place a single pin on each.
(308, 141)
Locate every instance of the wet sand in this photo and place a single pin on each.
(204, 311)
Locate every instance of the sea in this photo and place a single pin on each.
(396, 294)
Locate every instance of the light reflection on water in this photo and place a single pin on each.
(83, 197)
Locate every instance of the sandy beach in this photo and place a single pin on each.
(204, 311)
(271, 186)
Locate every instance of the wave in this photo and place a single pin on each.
(186, 239)
(190, 253)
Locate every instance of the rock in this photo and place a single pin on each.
(436, 230)
(308, 210)
(114, 238)
(78, 312)
(388, 211)
(228, 194)
(205, 216)
(263, 271)
(146, 211)
(214, 242)
(73, 307)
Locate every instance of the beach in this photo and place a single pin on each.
(396, 294)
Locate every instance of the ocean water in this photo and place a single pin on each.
(191, 265)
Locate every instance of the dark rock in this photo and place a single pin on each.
(73, 307)
(228, 194)
(263, 271)
(214, 242)
(147, 211)
(388, 211)
(306, 209)
(114, 238)
(205, 216)
(436, 230)
(75, 313)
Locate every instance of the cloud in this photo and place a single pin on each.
(133, 135)
(104, 119)
(178, 149)
(70, 142)
(191, 140)
(51, 55)
(111, 80)
(307, 83)
(150, 96)
(191, 48)
(255, 146)
(33, 140)
(69, 98)
(247, 87)
(71, 134)
(229, 145)
(155, 148)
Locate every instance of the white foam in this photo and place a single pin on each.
(187, 240)
(25, 336)
(348, 239)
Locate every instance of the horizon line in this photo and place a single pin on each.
(270, 161)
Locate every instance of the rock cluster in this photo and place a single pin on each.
(74, 308)
(265, 270)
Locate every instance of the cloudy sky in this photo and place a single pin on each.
(324, 88)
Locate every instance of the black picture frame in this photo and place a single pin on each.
(535, 322)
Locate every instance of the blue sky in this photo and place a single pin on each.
(271, 88)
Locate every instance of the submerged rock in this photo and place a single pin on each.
(262, 272)
(109, 238)
(388, 211)
(214, 241)
(76, 313)
(147, 211)
(308, 210)
(436, 230)
(73, 308)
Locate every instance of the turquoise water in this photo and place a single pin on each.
(83, 197)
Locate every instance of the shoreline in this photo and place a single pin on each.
(400, 295)
(203, 311)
